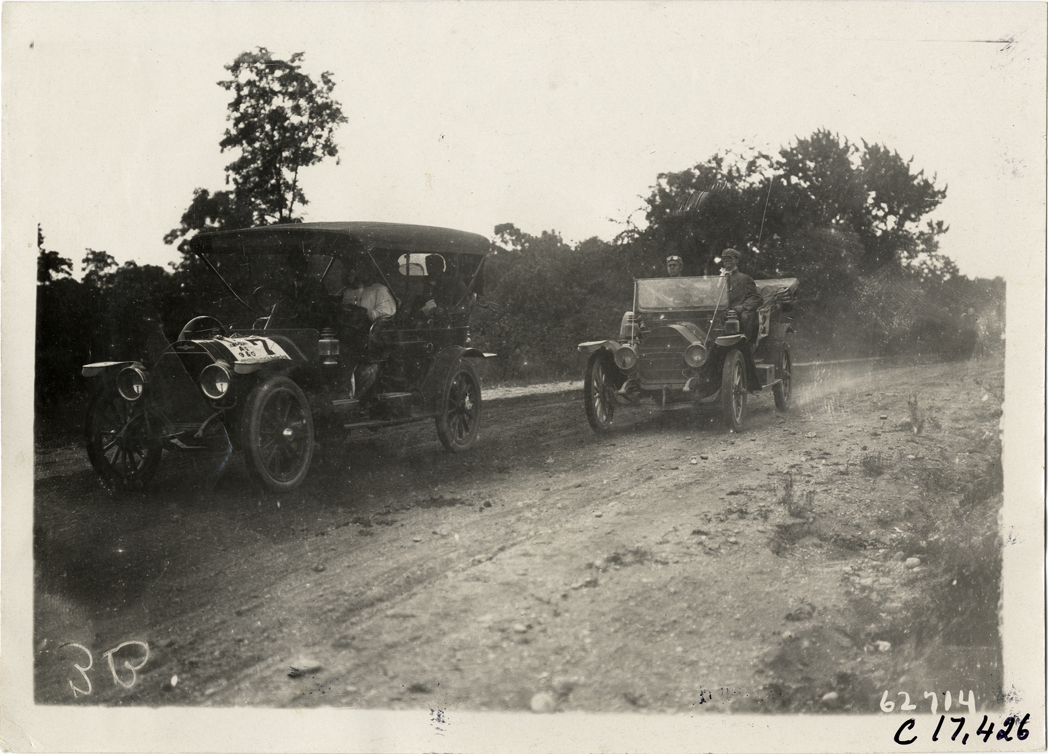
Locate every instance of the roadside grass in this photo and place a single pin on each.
(874, 464)
(785, 498)
(794, 505)
(916, 414)
(935, 479)
(955, 525)
(933, 524)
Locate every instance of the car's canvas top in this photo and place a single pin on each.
(347, 235)
(777, 287)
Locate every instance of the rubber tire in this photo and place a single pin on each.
(262, 420)
(784, 389)
(598, 394)
(458, 423)
(733, 390)
(107, 413)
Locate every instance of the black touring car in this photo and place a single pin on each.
(266, 370)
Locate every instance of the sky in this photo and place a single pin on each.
(551, 116)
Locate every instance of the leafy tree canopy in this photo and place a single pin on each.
(823, 209)
(280, 121)
(50, 266)
(98, 267)
(544, 295)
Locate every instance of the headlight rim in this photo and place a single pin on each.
(132, 395)
(626, 358)
(206, 382)
(696, 348)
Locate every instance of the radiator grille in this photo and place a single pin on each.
(662, 357)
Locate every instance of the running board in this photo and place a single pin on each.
(372, 423)
(393, 397)
(345, 405)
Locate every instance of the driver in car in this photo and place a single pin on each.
(745, 299)
(364, 301)
(743, 295)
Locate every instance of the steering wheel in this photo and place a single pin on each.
(200, 325)
(268, 296)
(271, 298)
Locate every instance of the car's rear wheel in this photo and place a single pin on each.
(277, 434)
(119, 442)
(458, 422)
(784, 389)
(599, 393)
(733, 390)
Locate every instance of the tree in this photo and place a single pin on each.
(49, 265)
(280, 121)
(63, 329)
(698, 212)
(207, 210)
(545, 297)
(894, 204)
(97, 267)
(822, 205)
(139, 301)
(832, 213)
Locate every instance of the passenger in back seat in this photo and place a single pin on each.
(443, 291)
(365, 302)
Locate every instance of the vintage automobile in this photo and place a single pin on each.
(681, 344)
(262, 373)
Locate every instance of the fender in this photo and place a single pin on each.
(730, 342)
(103, 367)
(777, 339)
(433, 385)
(727, 341)
(778, 331)
(592, 346)
(476, 353)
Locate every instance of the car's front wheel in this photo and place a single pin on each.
(277, 434)
(733, 390)
(599, 393)
(120, 445)
(458, 422)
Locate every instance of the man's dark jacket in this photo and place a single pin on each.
(742, 292)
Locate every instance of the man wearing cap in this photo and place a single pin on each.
(674, 266)
(743, 297)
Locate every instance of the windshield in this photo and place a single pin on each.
(676, 294)
(246, 270)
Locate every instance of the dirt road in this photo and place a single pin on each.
(666, 566)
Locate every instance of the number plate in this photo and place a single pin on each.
(254, 350)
